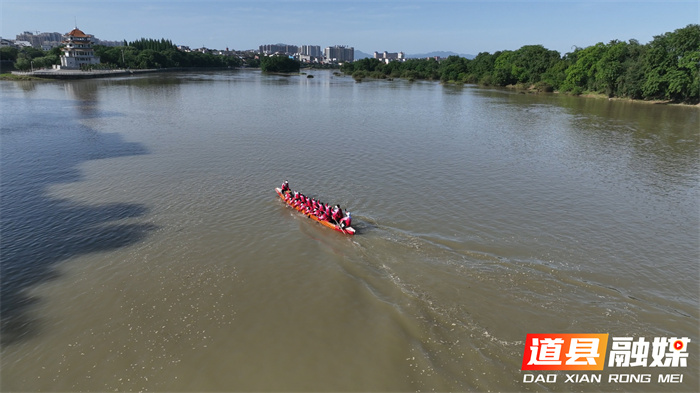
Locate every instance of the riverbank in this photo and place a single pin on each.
(623, 99)
(80, 74)
(73, 74)
(535, 89)
(12, 77)
(522, 88)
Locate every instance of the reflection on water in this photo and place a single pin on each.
(39, 231)
(483, 215)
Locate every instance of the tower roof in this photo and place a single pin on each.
(77, 33)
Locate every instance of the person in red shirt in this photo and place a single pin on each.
(337, 213)
(346, 221)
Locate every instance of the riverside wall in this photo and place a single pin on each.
(80, 74)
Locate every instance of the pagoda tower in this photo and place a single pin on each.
(77, 50)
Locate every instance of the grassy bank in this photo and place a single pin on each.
(12, 77)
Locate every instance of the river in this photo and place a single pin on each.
(144, 248)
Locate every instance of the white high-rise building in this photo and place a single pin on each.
(339, 54)
(310, 50)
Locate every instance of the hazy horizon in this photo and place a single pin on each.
(412, 27)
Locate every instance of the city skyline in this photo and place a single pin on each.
(466, 27)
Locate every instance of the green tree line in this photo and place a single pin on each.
(666, 68)
(156, 45)
(141, 54)
(150, 53)
(28, 58)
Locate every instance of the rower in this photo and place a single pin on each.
(337, 213)
(346, 221)
(285, 186)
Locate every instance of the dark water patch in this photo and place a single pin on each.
(37, 231)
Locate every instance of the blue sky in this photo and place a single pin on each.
(462, 26)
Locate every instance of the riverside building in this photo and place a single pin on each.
(310, 50)
(386, 57)
(339, 54)
(279, 48)
(45, 41)
(78, 51)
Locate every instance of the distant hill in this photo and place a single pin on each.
(361, 55)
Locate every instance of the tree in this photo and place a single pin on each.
(109, 55)
(367, 64)
(531, 61)
(452, 68)
(279, 64)
(393, 69)
(23, 64)
(150, 58)
(8, 53)
(630, 82)
(174, 58)
(481, 67)
(684, 76)
(503, 69)
(609, 68)
(580, 75)
(554, 77)
(45, 61)
(671, 65)
(525, 65)
(31, 52)
(156, 45)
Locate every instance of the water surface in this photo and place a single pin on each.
(143, 246)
